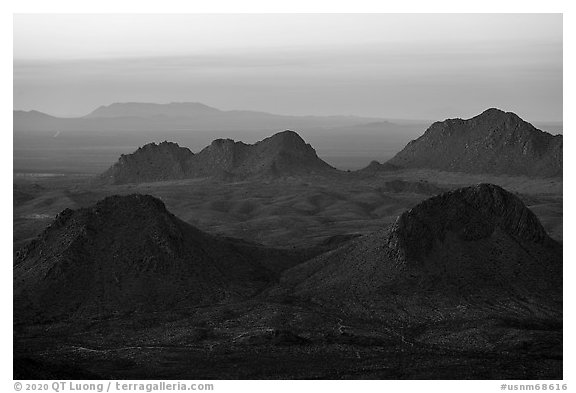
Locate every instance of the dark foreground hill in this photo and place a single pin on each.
(466, 284)
(473, 251)
(282, 154)
(128, 253)
(493, 142)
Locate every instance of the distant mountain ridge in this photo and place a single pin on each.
(140, 109)
(494, 142)
(282, 154)
(191, 116)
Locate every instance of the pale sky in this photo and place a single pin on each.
(413, 66)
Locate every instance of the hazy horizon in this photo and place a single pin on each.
(388, 119)
(391, 66)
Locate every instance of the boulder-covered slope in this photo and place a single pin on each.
(472, 251)
(493, 142)
(129, 254)
(282, 154)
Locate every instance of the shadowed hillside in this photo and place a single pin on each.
(128, 253)
(473, 251)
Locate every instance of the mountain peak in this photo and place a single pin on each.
(282, 154)
(475, 247)
(288, 134)
(128, 253)
(287, 153)
(495, 114)
(132, 215)
(151, 162)
(494, 142)
(375, 166)
(132, 207)
(287, 138)
(143, 203)
(147, 109)
(164, 146)
(470, 213)
(225, 143)
(30, 115)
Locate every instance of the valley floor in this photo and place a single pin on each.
(279, 341)
(294, 212)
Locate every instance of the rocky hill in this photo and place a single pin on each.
(282, 154)
(494, 142)
(129, 254)
(151, 162)
(375, 167)
(475, 251)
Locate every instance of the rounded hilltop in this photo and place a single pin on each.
(129, 254)
(477, 247)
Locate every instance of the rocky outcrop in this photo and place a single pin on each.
(282, 154)
(375, 167)
(493, 142)
(151, 162)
